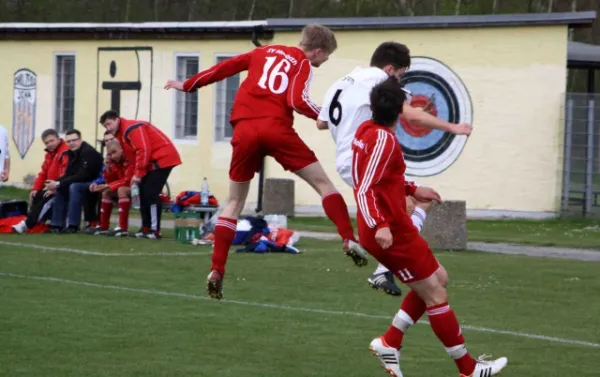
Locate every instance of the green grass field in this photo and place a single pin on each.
(76, 305)
(581, 233)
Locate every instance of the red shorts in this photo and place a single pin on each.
(253, 139)
(410, 261)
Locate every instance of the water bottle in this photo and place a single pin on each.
(204, 192)
(135, 196)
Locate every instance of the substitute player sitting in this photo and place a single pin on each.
(387, 232)
(262, 119)
(117, 175)
(346, 106)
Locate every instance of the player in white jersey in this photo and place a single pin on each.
(4, 155)
(346, 106)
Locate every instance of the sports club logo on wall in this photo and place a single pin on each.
(438, 90)
(24, 101)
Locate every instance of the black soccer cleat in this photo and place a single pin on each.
(385, 281)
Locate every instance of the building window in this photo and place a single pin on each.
(64, 111)
(225, 94)
(186, 104)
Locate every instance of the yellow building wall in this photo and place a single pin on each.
(201, 157)
(515, 77)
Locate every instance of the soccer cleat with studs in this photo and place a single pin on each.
(214, 285)
(389, 357)
(117, 232)
(488, 368)
(385, 281)
(356, 252)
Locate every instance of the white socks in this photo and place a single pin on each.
(457, 352)
(380, 269)
(402, 321)
(418, 218)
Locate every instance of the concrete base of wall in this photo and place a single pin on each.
(472, 214)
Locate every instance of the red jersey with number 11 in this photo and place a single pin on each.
(277, 83)
(380, 188)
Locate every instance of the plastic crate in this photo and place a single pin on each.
(187, 226)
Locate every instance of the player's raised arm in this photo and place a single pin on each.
(298, 95)
(424, 119)
(378, 150)
(218, 72)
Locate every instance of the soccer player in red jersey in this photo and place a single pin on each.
(154, 156)
(386, 230)
(262, 119)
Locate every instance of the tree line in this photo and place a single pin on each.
(232, 10)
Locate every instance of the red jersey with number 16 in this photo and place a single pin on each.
(277, 83)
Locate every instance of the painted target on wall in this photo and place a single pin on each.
(437, 89)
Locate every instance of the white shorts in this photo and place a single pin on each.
(345, 173)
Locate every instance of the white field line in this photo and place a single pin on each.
(518, 334)
(44, 248)
(99, 253)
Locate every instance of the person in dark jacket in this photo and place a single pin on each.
(80, 165)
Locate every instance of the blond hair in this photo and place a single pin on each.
(316, 36)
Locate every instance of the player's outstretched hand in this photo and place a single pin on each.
(172, 84)
(462, 129)
(427, 194)
(384, 237)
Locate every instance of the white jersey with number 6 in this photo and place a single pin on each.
(345, 107)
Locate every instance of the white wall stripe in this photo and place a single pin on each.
(517, 334)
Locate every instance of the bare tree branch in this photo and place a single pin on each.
(251, 13)
(457, 7)
(127, 8)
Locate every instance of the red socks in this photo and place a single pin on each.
(224, 235)
(337, 211)
(412, 308)
(105, 212)
(445, 326)
(124, 206)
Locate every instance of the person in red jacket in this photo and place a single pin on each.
(387, 231)
(40, 200)
(262, 119)
(153, 156)
(117, 176)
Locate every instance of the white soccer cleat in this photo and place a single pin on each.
(488, 368)
(389, 357)
(20, 227)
